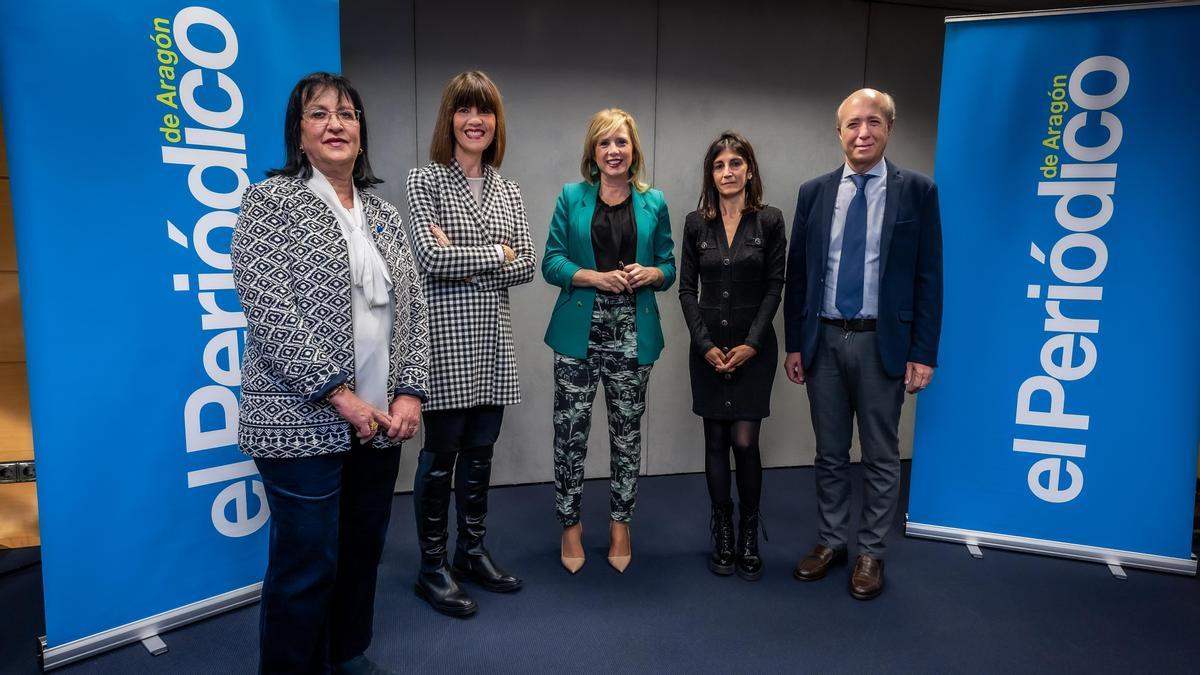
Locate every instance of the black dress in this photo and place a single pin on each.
(730, 292)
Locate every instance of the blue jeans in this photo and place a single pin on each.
(329, 519)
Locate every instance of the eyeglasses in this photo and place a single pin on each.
(322, 116)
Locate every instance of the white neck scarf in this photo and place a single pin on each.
(368, 271)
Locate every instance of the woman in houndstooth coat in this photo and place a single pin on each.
(471, 239)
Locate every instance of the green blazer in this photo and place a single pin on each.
(569, 249)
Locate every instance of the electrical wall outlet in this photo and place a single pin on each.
(17, 472)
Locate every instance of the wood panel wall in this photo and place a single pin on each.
(18, 501)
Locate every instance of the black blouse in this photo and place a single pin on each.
(613, 238)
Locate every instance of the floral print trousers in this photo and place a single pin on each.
(612, 359)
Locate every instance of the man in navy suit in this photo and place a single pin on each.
(862, 317)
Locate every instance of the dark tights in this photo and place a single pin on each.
(720, 436)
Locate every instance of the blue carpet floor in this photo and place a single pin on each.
(942, 611)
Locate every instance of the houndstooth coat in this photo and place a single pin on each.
(291, 267)
(473, 360)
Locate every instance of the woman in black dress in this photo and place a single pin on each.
(730, 285)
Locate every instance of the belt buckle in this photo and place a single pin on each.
(847, 331)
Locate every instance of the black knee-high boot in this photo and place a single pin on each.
(431, 503)
(472, 561)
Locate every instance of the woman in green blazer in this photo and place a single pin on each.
(610, 251)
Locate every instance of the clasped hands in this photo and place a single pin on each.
(439, 235)
(401, 421)
(727, 361)
(624, 280)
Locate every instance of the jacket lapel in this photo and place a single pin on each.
(891, 203)
(491, 188)
(464, 194)
(583, 220)
(828, 199)
(325, 217)
(326, 224)
(644, 222)
(376, 223)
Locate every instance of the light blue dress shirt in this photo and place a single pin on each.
(876, 198)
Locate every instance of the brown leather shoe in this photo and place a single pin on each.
(814, 565)
(866, 581)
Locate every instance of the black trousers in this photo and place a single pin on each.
(460, 429)
(329, 519)
(458, 453)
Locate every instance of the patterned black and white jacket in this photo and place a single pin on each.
(291, 267)
(474, 361)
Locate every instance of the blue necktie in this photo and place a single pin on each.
(854, 252)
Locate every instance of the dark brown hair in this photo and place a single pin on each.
(295, 161)
(471, 88)
(709, 197)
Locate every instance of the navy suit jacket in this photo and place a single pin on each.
(909, 323)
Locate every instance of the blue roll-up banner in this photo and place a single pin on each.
(1065, 416)
(132, 129)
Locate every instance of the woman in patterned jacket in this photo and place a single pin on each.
(610, 251)
(471, 238)
(333, 377)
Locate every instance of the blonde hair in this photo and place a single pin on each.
(470, 88)
(605, 123)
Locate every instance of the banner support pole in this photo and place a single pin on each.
(1106, 556)
(146, 630)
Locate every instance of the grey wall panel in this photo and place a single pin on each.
(780, 89)
(686, 70)
(904, 58)
(378, 57)
(556, 64)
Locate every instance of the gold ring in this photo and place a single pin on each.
(373, 426)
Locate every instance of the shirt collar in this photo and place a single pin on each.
(880, 169)
(320, 184)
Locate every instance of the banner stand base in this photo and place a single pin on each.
(1106, 556)
(155, 645)
(139, 631)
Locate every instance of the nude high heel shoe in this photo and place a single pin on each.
(618, 538)
(572, 535)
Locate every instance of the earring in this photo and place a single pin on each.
(360, 151)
